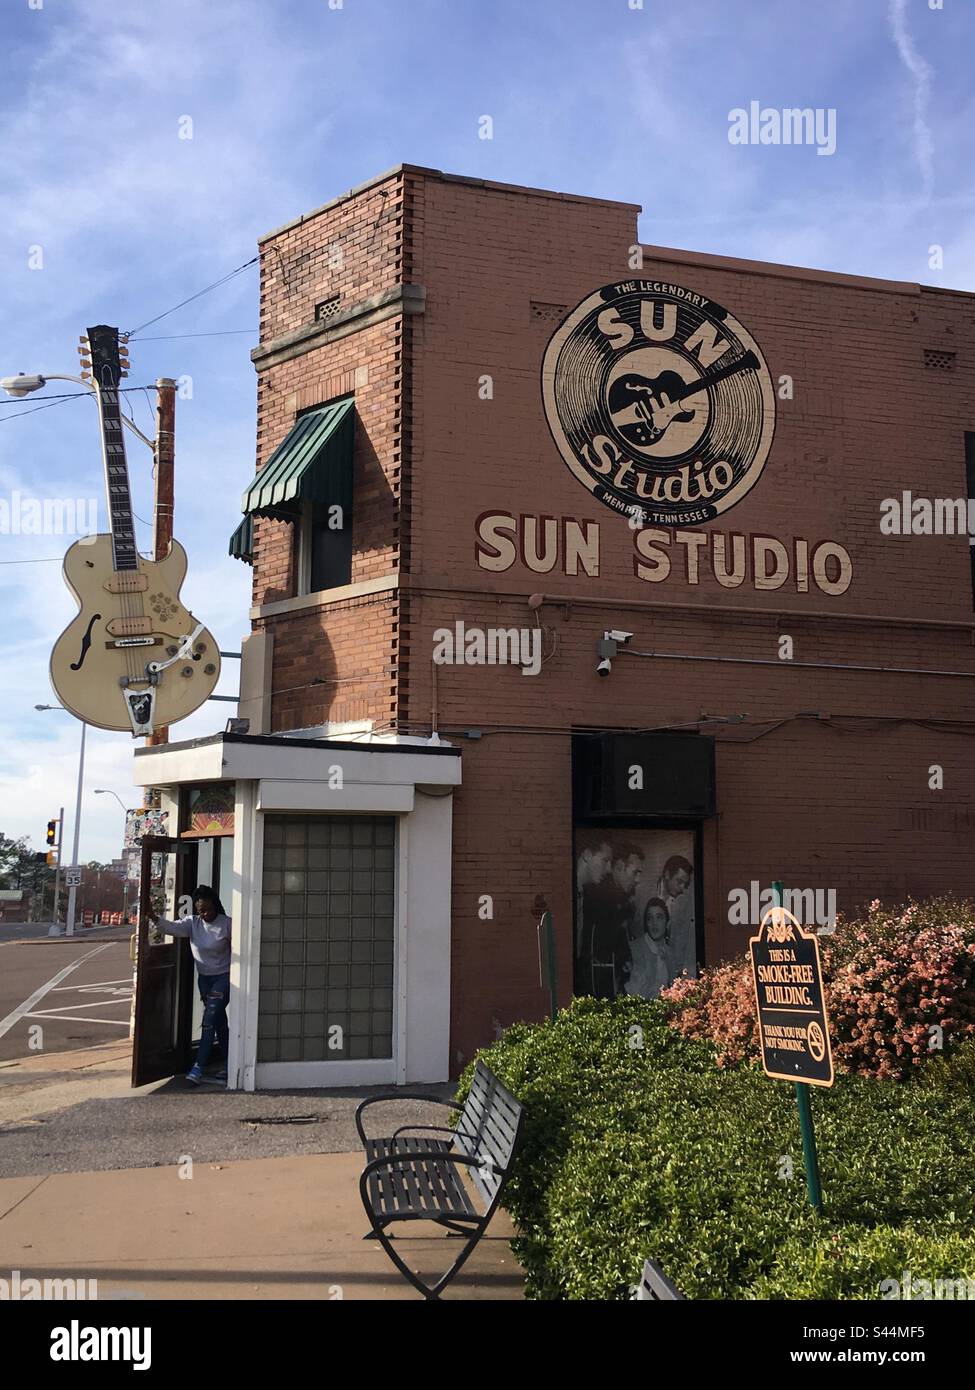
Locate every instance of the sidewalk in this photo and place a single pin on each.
(272, 1209)
(46, 1082)
(263, 1228)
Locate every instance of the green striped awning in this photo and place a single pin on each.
(312, 464)
(242, 541)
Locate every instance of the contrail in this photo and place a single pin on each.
(921, 73)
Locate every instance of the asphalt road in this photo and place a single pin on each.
(77, 991)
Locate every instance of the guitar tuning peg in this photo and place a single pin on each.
(83, 339)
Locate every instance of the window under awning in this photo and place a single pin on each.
(313, 463)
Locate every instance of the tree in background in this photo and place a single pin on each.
(21, 869)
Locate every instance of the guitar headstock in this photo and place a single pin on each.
(104, 357)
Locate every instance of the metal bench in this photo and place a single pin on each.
(654, 1284)
(407, 1178)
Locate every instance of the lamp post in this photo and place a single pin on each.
(107, 791)
(73, 889)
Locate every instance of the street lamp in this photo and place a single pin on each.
(73, 887)
(22, 385)
(107, 791)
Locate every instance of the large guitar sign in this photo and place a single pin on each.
(134, 658)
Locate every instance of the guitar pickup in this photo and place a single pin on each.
(129, 627)
(134, 642)
(127, 582)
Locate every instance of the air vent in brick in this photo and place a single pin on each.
(328, 308)
(548, 313)
(940, 361)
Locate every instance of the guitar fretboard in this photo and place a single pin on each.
(126, 557)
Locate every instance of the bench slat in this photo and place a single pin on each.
(420, 1188)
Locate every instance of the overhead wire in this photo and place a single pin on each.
(40, 560)
(63, 396)
(130, 334)
(218, 333)
(34, 409)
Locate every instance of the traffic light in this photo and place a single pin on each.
(51, 859)
(52, 832)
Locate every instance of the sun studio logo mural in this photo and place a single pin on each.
(660, 402)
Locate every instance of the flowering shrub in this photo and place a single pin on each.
(900, 987)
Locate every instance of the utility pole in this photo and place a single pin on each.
(163, 508)
(73, 891)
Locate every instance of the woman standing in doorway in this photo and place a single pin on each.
(209, 936)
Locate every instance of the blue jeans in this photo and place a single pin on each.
(215, 993)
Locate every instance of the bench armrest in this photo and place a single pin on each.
(439, 1129)
(396, 1095)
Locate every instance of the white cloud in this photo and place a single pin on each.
(921, 74)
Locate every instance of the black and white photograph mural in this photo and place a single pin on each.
(635, 930)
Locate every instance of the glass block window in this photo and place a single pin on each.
(326, 980)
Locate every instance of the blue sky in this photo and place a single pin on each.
(292, 102)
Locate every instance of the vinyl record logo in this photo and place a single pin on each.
(659, 401)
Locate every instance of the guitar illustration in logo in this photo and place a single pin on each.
(134, 657)
(643, 409)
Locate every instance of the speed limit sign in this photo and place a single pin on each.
(72, 876)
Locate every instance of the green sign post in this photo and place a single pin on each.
(792, 1023)
(546, 948)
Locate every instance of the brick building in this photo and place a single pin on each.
(493, 430)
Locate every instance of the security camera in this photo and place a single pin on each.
(616, 636)
(604, 667)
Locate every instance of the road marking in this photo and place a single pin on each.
(71, 1018)
(116, 991)
(98, 1004)
(102, 984)
(13, 1018)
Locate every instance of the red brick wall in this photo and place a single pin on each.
(820, 803)
(838, 802)
(354, 249)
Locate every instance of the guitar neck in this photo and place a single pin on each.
(749, 360)
(126, 557)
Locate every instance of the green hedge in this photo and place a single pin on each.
(637, 1145)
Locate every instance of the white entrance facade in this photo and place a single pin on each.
(393, 796)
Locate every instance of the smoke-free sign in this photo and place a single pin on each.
(792, 1022)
